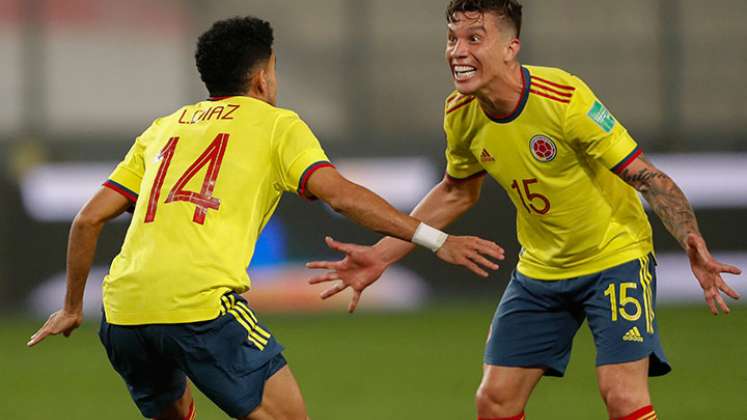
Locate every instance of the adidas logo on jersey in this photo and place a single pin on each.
(633, 335)
(485, 156)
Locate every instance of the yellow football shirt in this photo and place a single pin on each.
(556, 155)
(205, 180)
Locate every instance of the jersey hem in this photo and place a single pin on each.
(560, 274)
(170, 317)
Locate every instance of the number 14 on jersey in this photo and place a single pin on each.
(212, 156)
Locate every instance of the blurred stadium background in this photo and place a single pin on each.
(82, 78)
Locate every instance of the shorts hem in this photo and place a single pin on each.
(549, 371)
(154, 409)
(248, 405)
(658, 365)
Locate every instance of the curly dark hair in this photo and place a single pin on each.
(229, 50)
(507, 9)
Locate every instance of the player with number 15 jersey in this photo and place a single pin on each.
(574, 216)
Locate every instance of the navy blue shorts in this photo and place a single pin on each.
(228, 358)
(536, 320)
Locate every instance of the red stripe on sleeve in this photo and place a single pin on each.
(624, 164)
(307, 174)
(123, 191)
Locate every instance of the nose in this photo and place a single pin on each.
(458, 49)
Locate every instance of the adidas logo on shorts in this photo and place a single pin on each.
(633, 335)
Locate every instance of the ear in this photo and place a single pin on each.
(512, 50)
(260, 81)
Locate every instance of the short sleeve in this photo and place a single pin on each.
(299, 153)
(461, 163)
(128, 174)
(592, 129)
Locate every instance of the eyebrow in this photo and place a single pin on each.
(471, 28)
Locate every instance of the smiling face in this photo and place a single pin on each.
(478, 50)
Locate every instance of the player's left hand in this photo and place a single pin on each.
(60, 322)
(708, 272)
(359, 269)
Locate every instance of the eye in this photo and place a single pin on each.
(474, 38)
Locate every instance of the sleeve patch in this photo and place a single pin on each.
(601, 116)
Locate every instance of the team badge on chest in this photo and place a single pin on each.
(543, 148)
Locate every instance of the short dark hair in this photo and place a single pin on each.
(228, 51)
(506, 9)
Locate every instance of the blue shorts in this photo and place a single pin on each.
(536, 320)
(228, 358)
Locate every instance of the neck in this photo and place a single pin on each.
(503, 93)
(256, 94)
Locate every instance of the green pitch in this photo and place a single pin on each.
(421, 365)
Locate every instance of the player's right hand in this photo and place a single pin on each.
(60, 322)
(360, 268)
(708, 271)
(472, 253)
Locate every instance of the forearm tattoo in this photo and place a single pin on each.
(666, 199)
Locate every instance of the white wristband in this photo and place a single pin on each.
(429, 237)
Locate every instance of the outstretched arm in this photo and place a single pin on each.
(84, 233)
(444, 204)
(363, 265)
(669, 203)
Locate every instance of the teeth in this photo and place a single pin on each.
(463, 69)
(464, 75)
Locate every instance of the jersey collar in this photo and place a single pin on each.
(526, 82)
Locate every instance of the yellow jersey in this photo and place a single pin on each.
(556, 155)
(204, 182)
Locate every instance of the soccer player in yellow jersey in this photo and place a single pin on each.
(573, 173)
(202, 183)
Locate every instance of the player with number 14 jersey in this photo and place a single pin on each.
(201, 204)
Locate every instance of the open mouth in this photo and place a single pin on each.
(462, 73)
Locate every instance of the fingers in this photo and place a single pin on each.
(711, 304)
(724, 308)
(333, 291)
(322, 278)
(325, 265)
(491, 249)
(727, 268)
(354, 302)
(38, 336)
(715, 301)
(471, 266)
(728, 290)
(479, 259)
(339, 246)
